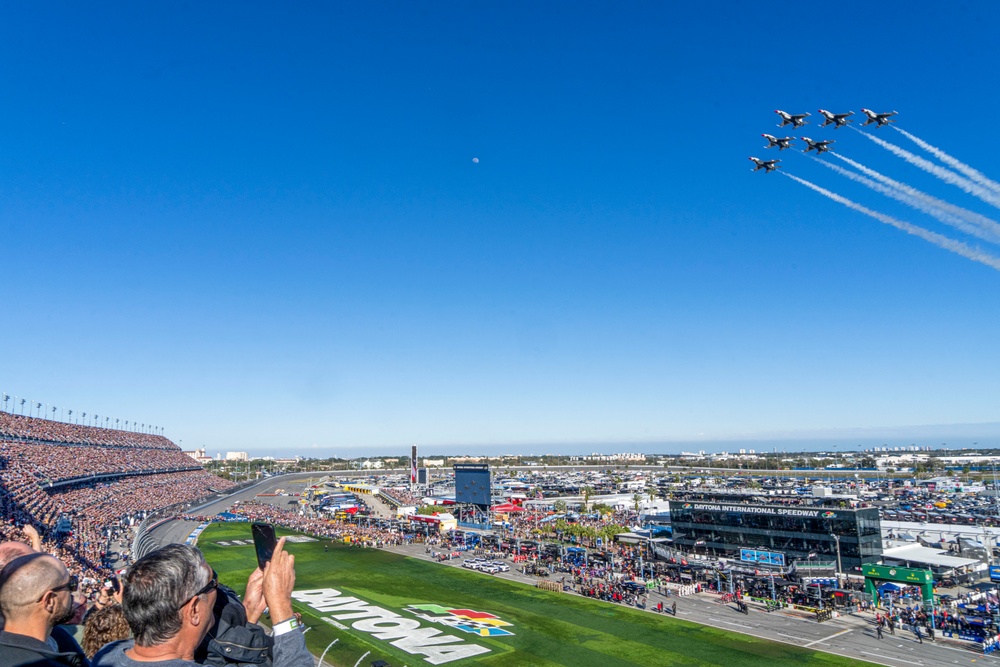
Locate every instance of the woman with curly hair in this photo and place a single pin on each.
(103, 626)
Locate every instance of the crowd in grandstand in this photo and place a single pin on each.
(48, 481)
(20, 427)
(53, 463)
(398, 496)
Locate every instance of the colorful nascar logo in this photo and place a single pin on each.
(687, 506)
(829, 515)
(474, 622)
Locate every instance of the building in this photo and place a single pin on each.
(199, 456)
(786, 533)
(237, 456)
(609, 458)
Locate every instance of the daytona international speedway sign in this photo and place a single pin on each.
(750, 509)
(405, 633)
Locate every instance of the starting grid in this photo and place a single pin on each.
(294, 539)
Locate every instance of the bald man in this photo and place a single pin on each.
(36, 594)
(8, 552)
(11, 550)
(61, 639)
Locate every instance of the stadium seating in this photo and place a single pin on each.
(82, 487)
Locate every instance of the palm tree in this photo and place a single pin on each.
(586, 492)
(636, 501)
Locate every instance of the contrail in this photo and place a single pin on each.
(954, 163)
(954, 246)
(945, 175)
(955, 216)
(986, 223)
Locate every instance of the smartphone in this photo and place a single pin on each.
(115, 584)
(264, 542)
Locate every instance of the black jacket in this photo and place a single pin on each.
(24, 651)
(233, 641)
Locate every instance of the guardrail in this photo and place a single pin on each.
(143, 542)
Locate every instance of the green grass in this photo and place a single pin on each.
(550, 629)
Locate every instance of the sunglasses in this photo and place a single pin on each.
(71, 586)
(208, 588)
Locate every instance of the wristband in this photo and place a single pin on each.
(285, 626)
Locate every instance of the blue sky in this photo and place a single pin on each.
(261, 226)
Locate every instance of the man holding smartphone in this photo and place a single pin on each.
(168, 602)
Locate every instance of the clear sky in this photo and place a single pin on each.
(261, 225)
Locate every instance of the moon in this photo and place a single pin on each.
(475, 160)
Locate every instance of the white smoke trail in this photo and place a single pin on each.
(951, 177)
(954, 246)
(970, 216)
(954, 163)
(922, 202)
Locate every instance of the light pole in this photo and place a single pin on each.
(836, 539)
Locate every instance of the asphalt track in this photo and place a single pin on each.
(852, 636)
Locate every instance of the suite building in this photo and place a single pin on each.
(777, 534)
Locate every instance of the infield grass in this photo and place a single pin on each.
(550, 629)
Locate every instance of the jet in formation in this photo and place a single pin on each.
(790, 119)
(879, 119)
(818, 146)
(781, 142)
(766, 165)
(837, 119)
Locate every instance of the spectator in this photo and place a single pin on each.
(36, 594)
(104, 626)
(169, 597)
(236, 639)
(61, 638)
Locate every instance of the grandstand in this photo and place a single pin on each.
(84, 487)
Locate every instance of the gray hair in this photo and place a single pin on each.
(157, 586)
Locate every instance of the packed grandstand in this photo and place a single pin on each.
(81, 487)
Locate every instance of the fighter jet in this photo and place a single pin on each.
(838, 119)
(789, 119)
(819, 146)
(782, 143)
(766, 165)
(879, 119)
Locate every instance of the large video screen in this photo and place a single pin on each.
(472, 484)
